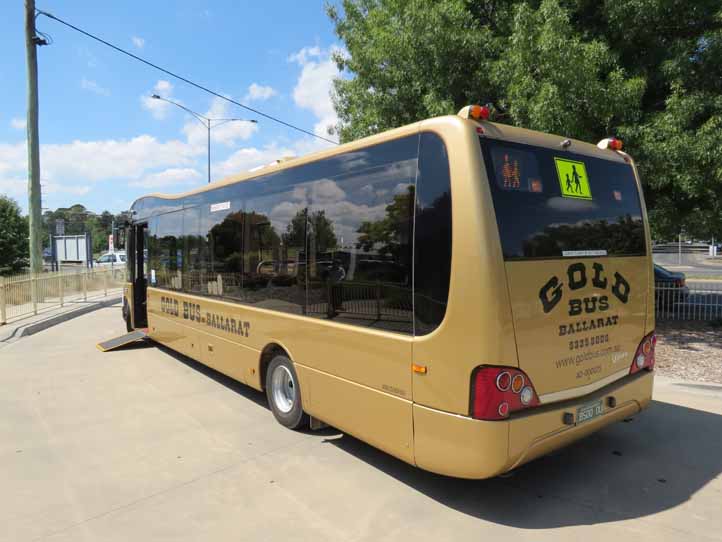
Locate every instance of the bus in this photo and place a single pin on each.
(463, 295)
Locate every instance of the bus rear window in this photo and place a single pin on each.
(555, 204)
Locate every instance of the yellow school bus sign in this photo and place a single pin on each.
(573, 179)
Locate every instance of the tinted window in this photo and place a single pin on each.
(432, 266)
(331, 239)
(359, 231)
(222, 219)
(166, 246)
(195, 250)
(274, 240)
(550, 203)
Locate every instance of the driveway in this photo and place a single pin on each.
(144, 444)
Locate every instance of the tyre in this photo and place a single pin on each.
(284, 393)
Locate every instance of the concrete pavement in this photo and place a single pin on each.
(143, 444)
(34, 323)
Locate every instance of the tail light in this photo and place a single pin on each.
(496, 392)
(644, 356)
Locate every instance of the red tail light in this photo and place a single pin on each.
(644, 356)
(615, 144)
(496, 392)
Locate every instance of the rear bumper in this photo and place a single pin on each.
(466, 448)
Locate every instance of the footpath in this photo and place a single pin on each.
(29, 325)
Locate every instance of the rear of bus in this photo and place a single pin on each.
(577, 261)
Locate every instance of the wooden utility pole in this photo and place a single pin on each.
(34, 203)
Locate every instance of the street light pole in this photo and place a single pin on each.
(205, 121)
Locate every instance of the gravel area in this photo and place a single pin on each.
(689, 351)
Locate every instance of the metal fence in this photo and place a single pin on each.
(695, 300)
(22, 295)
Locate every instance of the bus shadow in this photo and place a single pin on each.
(643, 466)
(652, 463)
(241, 389)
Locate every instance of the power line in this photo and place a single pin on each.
(180, 77)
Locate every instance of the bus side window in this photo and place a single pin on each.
(359, 235)
(432, 244)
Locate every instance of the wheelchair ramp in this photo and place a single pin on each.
(128, 338)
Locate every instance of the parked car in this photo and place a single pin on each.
(114, 259)
(670, 288)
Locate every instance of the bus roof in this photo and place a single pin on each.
(486, 128)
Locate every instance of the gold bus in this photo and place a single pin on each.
(464, 295)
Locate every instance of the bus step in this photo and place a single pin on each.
(128, 338)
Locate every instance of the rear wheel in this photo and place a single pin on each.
(284, 393)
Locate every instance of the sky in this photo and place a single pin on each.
(104, 141)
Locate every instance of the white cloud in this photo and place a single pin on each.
(169, 177)
(259, 93)
(226, 134)
(18, 123)
(248, 158)
(158, 108)
(13, 186)
(138, 42)
(94, 161)
(92, 86)
(313, 88)
(305, 54)
(59, 188)
(17, 188)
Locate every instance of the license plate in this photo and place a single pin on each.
(589, 412)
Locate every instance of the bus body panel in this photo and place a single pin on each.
(538, 433)
(459, 446)
(592, 331)
(650, 321)
(577, 320)
(361, 379)
(466, 448)
(478, 327)
(354, 378)
(381, 419)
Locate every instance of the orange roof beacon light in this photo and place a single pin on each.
(611, 143)
(476, 112)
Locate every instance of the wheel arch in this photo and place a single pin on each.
(270, 351)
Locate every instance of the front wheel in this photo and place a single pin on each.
(284, 393)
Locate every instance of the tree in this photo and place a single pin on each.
(414, 59)
(649, 71)
(389, 235)
(554, 81)
(318, 226)
(13, 237)
(78, 220)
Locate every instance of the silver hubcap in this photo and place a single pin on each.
(284, 389)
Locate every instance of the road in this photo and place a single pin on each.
(143, 444)
(704, 269)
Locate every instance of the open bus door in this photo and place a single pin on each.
(138, 267)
